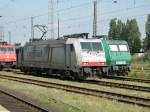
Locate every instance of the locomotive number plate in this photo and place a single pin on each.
(120, 62)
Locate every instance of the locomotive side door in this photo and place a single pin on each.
(49, 55)
(68, 56)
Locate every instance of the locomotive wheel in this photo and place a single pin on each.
(62, 76)
(21, 69)
(38, 72)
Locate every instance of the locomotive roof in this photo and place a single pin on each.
(5, 44)
(52, 41)
(62, 41)
(116, 41)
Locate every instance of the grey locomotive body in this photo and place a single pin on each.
(70, 57)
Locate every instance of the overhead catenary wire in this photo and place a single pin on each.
(108, 19)
(90, 22)
(87, 23)
(45, 14)
(79, 22)
(105, 13)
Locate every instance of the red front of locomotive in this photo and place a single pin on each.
(7, 56)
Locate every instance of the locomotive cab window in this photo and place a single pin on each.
(123, 48)
(86, 46)
(10, 49)
(3, 49)
(97, 46)
(113, 48)
(6, 49)
(91, 46)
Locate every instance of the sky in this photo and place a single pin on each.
(76, 16)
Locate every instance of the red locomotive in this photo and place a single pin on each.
(7, 55)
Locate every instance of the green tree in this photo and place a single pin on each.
(112, 29)
(117, 29)
(147, 29)
(133, 34)
(128, 31)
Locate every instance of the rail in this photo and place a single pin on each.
(128, 79)
(118, 85)
(145, 102)
(19, 103)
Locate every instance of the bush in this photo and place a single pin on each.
(147, 58)
(143, 60)
(133, 74)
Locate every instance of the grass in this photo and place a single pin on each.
(2, 109)
(140, 74)
(60, 101)
(140, 65)
(92, 86)
(142, 62)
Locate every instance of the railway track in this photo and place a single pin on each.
(15, 104)
(145, 102)
(119, 85)
(128, 79)
(110, 77)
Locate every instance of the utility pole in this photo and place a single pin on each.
(134, 3)
(58, 28)
(1, 33)
(9, 33)
(95, 19)
(32, 28)
(1, 37)
(58, 17)
(51, 18)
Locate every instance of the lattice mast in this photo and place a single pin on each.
(95, 19)
(51, 18)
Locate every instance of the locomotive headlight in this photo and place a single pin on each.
(14, 57)
(14, 63)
